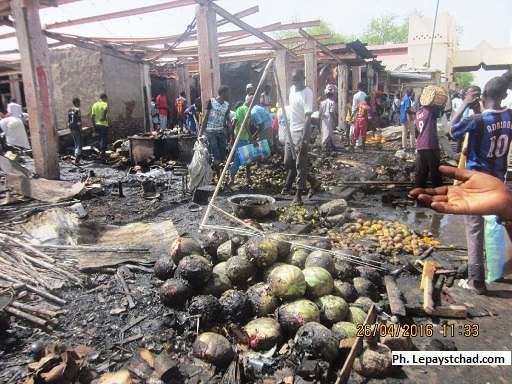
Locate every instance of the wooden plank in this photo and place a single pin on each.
(51, 191)
(246, 27)
(452, 311)
(356, 349)
(37, 83)
(396, 303)
(311, 69)
(209, 64)
(113, 15)
(121, 14)
(427, 284)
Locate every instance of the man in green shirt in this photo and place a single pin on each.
(99, 117)
(245, 139)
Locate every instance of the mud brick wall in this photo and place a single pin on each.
(76, 72)
(83, 73)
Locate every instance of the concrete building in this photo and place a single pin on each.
(414, 54)
(83, 73)
(447, 58)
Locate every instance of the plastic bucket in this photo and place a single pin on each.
(250, 153)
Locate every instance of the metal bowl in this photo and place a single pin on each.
(247, 206)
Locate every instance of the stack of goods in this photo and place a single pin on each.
(280, 293)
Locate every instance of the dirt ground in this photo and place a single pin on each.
(90, 319)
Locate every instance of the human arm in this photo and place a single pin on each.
(470, 98)
(478, 194)
(93, 117)
(355, 104)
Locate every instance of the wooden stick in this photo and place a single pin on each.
(51, 267)
(396, 303)
(26, 316)
(131, 302)
(37, 310)
(90, 248)
(356, 349)
(237, 139)
(29, 247)
(427, 282)
(36, 290)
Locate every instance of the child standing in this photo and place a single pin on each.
(361, 123)
(489, 141)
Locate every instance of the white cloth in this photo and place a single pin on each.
(15, 110)
(282, 124)
(456, 104)
(301, 104)
(15, 133)
(359, 98)
(327, 108)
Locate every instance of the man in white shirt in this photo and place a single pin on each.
(14, 109)
(456, 103)
(301, 108)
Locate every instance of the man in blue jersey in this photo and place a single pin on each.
(490, 133)
(406, 112)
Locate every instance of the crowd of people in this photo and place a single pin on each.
(478, 122)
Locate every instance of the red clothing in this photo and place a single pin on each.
(162, 104)
(361, 122)
(275, 123)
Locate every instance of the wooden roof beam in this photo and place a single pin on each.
(241, 24)
(249, 46)
(121, 14)
(322, 47)
(113, 15)
(88, 45)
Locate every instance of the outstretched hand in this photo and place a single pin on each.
(478, 194)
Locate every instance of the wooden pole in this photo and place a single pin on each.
(369, 77)
(14, 84)
(342, 93)
(209, 64)
(283, 104)
(233, 148)
(37, 83)
(282, 67)
(146, 81)
(356, 76)
(183, 80)
(311, 68)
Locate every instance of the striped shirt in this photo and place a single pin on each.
(489, 140)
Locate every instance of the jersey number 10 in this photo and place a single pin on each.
(499, 146)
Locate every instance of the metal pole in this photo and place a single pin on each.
(433, 32)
